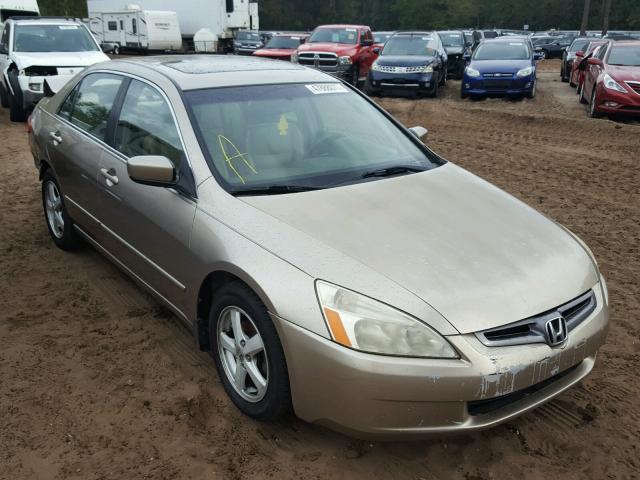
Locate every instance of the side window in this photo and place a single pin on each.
(121, 24)
(146, 125)
(4, 40)
(94, 100)
(134, 26)
(363, 36)
(112, 26)
(67, 106)
(602, 52)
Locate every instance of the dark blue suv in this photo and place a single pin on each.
(410, 61)
(501, 66)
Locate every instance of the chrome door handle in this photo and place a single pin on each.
(110, 175)
(55, 136)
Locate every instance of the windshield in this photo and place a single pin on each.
(251, 36)
(53, 38)
(283, 42)
(468, 37)
(381, 37)
(335, 35)
(502, 51)
(411, 45)
(453, 39)
(627, 56)
(313, 135)
(579, 45)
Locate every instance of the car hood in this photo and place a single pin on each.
(58, 59)
(499, 66)
(474, 253)
(624, 74)
(341, 48)
(404, 60)
(274, 52)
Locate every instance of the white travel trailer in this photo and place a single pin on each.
(222, 17)
(12, 8)
(136, 29)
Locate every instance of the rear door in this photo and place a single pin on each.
(75, 140)
(148, 227)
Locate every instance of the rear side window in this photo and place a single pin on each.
(146, 125)
(94, 100)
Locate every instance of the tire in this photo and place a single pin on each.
(16, 112)
(236, 300)
(434, 91)
(355, 76)
(532, 94)
(4, 98)
(593, 113)
(116, 50)
(59, 223)
(545, 55)
(563, 73)
(443, 79)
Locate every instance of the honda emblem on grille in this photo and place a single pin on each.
(316, 60)
(556, 330)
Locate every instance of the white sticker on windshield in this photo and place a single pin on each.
(68, 27)
(295, 38)
(515, 44)
(350, 29)
(453, 35)
(323, 88)
(427, 38)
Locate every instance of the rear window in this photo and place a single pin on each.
(502, 51)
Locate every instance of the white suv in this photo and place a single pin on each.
(35, 48)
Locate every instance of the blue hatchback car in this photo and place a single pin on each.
(501, 66)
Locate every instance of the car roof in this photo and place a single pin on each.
(44, 21)
(415, 32)
(631, 43)
(340, 25)
(192, 72)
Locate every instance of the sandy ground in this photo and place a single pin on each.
(98, 381)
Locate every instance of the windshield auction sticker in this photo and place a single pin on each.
(323, 88)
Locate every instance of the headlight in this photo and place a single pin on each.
(428, 69)
(525, 72)
(611, 84)
(364, 324)
(346, 60)
(472, 72)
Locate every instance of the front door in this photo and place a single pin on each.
(148, 227)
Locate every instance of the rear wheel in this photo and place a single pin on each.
(593, 112)
(59, 223)
(248, 353)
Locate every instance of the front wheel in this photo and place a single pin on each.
(248, 353)
(59, 223)
(532, 93)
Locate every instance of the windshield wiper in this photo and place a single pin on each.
(273, 190)
(393, 171)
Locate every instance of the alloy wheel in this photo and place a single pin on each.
(53, 205)
(242, 353)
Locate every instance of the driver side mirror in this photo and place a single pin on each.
(419, 132)
(580, 53)
(154, 170)
(367, 42)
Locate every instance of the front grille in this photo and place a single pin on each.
(635, 86)
(392, 69)
(39, 71)
(482, 407)
(498, 75)
(497, 84)
(532, 330)
(318, 58)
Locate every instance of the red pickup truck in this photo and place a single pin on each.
(346, 51)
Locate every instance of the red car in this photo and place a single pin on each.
(580, 64)
(282, 45)
(612, 80)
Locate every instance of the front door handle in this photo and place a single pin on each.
(55, 136)
(110, 176)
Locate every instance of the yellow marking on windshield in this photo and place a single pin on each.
(283, 125)
(228, 159)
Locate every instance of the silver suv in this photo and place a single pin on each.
(33, 49)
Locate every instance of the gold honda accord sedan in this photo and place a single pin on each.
(329, 261)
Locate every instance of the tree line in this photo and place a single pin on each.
(427, 14)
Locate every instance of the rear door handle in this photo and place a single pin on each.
(55, 136)
(110, 176)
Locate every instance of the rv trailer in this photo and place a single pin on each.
(134, 29)
(223, 18)
(23, 8)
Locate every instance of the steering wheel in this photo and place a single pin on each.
(324, 137)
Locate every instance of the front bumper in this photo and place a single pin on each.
(503, 86)
(612, 102)
(402, 81)
(246, 50)
(380, 397)
(32, 87)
